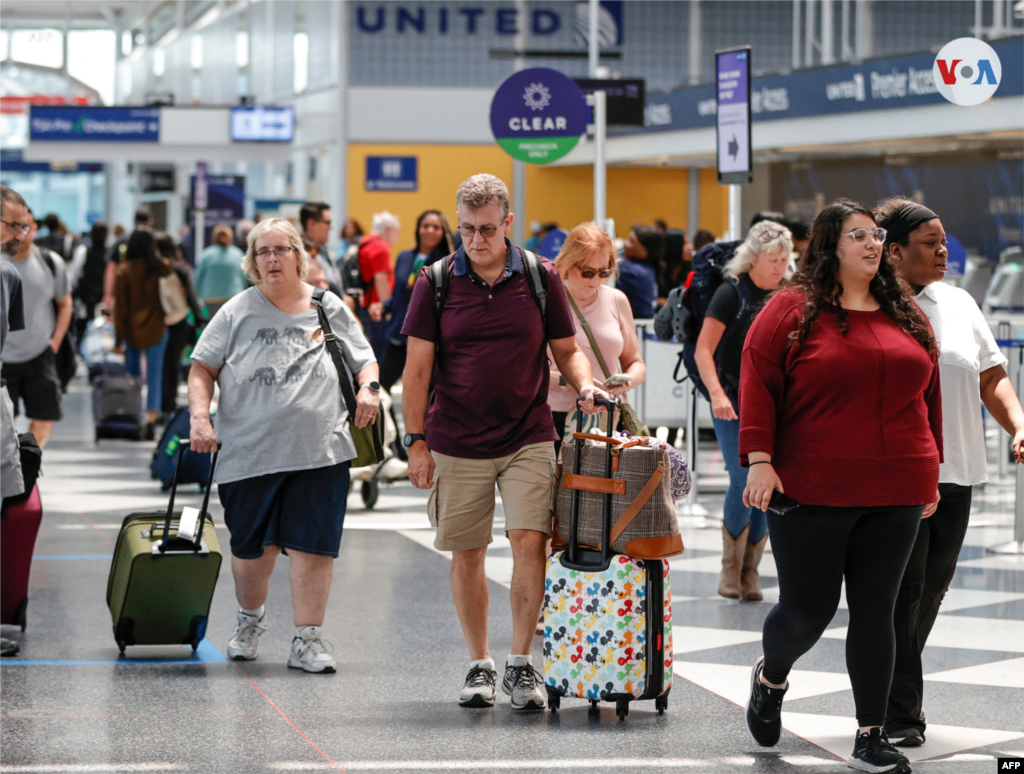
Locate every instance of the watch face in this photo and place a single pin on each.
(411, 438)
(375, 386)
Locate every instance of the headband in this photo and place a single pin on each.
(904, 220)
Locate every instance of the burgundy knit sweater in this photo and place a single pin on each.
(850, 420)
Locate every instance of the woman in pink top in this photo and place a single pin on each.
(586, 261)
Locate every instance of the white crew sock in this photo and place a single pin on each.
(514, 660)
(258, 612)
(485, 663)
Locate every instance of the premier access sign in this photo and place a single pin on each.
(538, 115)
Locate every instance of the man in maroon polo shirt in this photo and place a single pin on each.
(488, 423)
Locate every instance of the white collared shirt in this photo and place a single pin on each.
(966, 348)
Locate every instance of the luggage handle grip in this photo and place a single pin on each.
(183, 445)
(574, 513)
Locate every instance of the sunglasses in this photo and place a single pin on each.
(591, 273)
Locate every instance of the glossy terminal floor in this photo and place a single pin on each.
(70, 704)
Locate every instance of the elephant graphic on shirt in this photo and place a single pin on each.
(294, 373)
(295, 336)
(266, 336)
(318, 371)
(264, 376)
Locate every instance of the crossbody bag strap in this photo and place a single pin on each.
(590, 336)
(347, 393)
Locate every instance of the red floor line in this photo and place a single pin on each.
(281, 713)
(93, 525)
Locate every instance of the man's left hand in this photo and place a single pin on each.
(55, 345)
(1018, 447)
(376, 311)
(588, 394)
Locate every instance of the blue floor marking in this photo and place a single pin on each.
(70, 556)
(206, 654)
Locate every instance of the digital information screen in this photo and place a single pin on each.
(259, 123)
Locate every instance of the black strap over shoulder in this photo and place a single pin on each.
(348, 392)
(533, 269)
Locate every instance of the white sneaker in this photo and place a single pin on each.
(526, 687)
(479, 688)
(245, 642)
(310, 652)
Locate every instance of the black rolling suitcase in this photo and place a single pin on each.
(117, 406)
(607, 618)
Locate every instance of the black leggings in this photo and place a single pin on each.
(815, 547)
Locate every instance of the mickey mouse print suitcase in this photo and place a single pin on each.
(607, 620)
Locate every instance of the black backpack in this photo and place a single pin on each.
(351, 276)
(31, 461)
(536, 278)
(66, 364)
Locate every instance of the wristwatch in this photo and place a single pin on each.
(374, 386)
(411, 438)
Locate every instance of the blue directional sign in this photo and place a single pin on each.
(391, 173)
(732, 79)
(73, 123)
(551, 245)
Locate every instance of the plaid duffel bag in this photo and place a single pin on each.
(643, 514)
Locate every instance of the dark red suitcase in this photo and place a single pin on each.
(17, 543)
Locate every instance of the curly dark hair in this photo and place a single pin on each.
(818, 277)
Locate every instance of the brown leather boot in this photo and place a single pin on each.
(732, 563)
(749, 590)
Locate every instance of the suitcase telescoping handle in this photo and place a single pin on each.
(591, 560)
(182, 543)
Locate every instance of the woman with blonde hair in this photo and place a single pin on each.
(586, 261)
(755, 270)
(284, 471)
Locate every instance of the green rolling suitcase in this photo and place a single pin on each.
(160, 585)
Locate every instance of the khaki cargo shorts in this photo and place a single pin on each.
(461, 503)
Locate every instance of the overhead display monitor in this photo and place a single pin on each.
(732, 86)
(262, 123)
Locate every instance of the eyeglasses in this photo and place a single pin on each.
(591, 273)
(860, 235)
(485, 231)
(22, 227)
(280, 252)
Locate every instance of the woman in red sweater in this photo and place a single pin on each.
(840, 409)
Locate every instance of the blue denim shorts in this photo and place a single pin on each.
(300, 510)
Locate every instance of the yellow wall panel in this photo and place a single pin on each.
(440, 170)
(714, 203)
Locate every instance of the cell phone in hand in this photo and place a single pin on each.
(781, 504)
(617, 380)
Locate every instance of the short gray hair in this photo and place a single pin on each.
(281, 226)
(10, 196)
(382, 221)
(478, 191)
(764, 237)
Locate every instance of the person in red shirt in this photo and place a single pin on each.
(378, 278)
(840, 408)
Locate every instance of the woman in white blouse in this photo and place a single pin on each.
(972, 371)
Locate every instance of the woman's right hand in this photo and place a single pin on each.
(762, 481)
(721, 407)
(202, 439)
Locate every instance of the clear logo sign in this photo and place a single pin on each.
(967, 71)
(538, 115)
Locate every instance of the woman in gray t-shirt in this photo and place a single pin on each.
(284, 471)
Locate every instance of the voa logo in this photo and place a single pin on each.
(967, 71)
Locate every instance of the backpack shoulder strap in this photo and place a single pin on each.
(437, 275)
(48, 260)
(537, 280)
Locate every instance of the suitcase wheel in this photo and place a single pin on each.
(594, 710)
(370, 491)
(554, 699)
(622, 708)
(661, 703)
(195, 647)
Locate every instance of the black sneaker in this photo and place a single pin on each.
(479, 688)
(906, 737)
(873, 752)
(526, 687)
(764, 709)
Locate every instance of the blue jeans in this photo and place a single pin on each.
(154, 369)
(737, 516)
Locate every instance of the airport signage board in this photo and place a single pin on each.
(732, 130)
(391, 173)
(13, 160)
(262, 123)
(625, 98)
(73, 123)
(538, 115)
(881, 84)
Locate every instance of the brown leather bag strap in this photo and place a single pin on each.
(638, 503)
(594, 484)
(598, 438)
